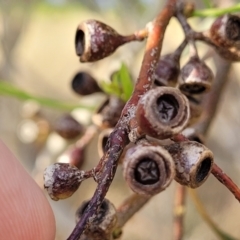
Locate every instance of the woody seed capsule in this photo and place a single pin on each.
(61, 180)
(95, 40)
(162, 112)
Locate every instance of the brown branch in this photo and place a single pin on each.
(117, 141)
(87, 137)
(226, 181)
(129, 207)
(137, 36)
(213, 98)
(119, 137)
(179, 212)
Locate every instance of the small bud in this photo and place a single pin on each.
(148, 169)
(67, 127)
(193, 162)
(84, 84)
(163, 112)
(95, 40)
(109, 112)
(225, 31)
(101, 226)
(61, 180)
(196, 77)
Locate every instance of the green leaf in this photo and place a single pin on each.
(116, 84)
(216, 12)
(126, 82)
(121, 84)
(10, 90)
(202, 211)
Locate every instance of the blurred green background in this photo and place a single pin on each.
(37, 55)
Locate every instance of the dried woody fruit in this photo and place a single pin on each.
(163, 112)
(95, 40)
(109, 112)
(193, 162)
(225, 31)
(84, 84)
(225, 37)
(168, 68)
(67, 127)
(148, 169)
(61, 180)
(102, 225)
(167, 71)
(196, 77)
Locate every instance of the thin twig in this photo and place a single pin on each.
(137, 36)
(226, 181)
(201, 209)
(179, 212)
(212, 99)
(129, 207)
(87, 137)
(119, 137)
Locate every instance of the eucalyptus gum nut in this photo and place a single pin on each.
(225, 31)
(196, 77)
(167, 71)
(108, 113)
(61, 180)
(95, 40)
(103, 222)
(225, 34)
(84, 84)
(193, 162)
(148, 169)
(67, 127)
(163, 112)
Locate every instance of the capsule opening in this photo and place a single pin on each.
(78, 81)
(100, 214)
(193, 88)
(80, 42)
(167, 106)
(147, 172)
(104, 143)
(203, 169)
(233, 28)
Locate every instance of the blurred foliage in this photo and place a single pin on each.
(14, 16)
(12, 91)
(121, 84)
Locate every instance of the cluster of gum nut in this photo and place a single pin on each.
(170, 107)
